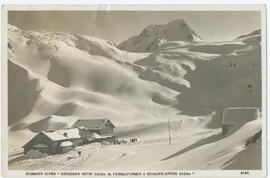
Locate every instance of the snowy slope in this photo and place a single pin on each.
(55, 78)
(154, 35)
(87, 84)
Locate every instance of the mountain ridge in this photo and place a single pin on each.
(152, 35)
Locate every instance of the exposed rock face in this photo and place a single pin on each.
(153, 35)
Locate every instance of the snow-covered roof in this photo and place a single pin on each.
(244, 107)
(54, 136)
(66, 143)
(82, 127)
(58, 135)
(106, 136)
(92, 123)
(239, 115)
(95, 135)
(64, 134)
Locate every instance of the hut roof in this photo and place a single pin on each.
(239, 115)
(95, 135)
(64, 134)
(95, 124)
(66, 143)
(58, 135)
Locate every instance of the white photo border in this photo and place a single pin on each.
(157, 7)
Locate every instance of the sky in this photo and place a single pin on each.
(118, 26)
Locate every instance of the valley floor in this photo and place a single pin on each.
(204, 149)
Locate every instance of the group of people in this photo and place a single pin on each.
(119, 142)
(122, 141)
(133, 140)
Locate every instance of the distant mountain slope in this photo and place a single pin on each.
(151, 37)
(256, 32)
(93, 72)
(79, 73)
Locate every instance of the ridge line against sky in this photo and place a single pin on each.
(118, 26)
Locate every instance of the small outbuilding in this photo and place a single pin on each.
(234, 118)
(66, 146)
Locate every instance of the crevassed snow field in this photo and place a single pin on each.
(55, 78)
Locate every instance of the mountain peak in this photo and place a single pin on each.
(177, 22)
(255, 32)
(150, 38)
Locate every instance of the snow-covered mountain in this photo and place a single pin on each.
(254, 33)
(153, 35)
(55, 78)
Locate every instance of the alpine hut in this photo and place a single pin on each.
(54, 141)
(99, 126)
